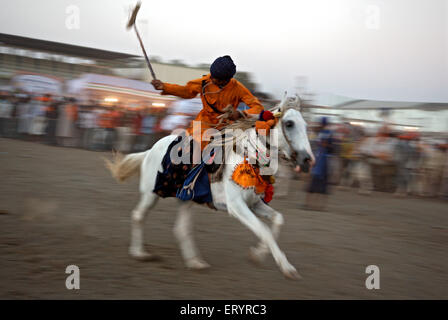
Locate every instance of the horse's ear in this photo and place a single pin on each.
(298, 103)
(282, 105)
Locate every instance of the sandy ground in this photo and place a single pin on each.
(59, 206)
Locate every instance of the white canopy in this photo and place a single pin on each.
(37, 84)
(114, 84)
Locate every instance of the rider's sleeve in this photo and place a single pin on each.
(255, 107)
(189, 91)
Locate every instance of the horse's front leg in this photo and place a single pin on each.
(261, 209)
(238, 208)
(183, 231)
(136, 248)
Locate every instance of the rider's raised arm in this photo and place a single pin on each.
(189, 91)
(255, 107)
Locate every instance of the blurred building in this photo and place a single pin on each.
(179, 74)
(46, 66)
(425, 117)
(22, 55)
(41, 66)
(111, 90)
(60, 61)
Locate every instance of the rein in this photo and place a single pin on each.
(261, 150)
(288, 141)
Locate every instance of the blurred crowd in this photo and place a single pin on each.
(347, 156)
(64, 121)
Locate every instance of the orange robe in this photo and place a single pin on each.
(233, 93)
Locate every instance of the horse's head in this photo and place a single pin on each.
(293, 139)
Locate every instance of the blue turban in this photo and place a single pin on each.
(324, 121)
(223, 68)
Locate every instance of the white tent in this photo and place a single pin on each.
(100, 86)
(37, 84)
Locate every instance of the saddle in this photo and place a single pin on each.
(186, 181)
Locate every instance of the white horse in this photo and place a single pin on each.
(243, 204)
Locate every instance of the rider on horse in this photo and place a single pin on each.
(220, 94)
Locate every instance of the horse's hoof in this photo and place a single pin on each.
(292, 274)
(144, 256)
(197, 264)
(256, 256)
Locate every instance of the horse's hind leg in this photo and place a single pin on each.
(136, 248)
(183, 231)
(258, 253)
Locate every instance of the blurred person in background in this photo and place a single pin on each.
(6, 113)
(39, 120)
(107, 124)
(346, 145)
(444, 183)
(147, 130)
(382, 160)
(52, 118)
(87, 124)
(181, 114)
(116, 116)
(316, 197)
(14, 120)
(335, 160)
(96, 139)
(348, 158)
(131, 115)
(416, 165)
(137, 120)
(440, 172)
(125, 132)
(360, 170)
(66, 124)
(158, 132)
(432, 167)
(406, 155)
(24, 114)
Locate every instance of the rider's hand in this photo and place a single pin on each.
(157, 84)
(266, 115)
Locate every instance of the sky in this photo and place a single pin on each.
(366, 49)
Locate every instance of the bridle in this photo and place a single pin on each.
(293, 155)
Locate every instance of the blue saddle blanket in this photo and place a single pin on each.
(184, 180)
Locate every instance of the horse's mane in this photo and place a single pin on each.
(245, 123)
(242, 124)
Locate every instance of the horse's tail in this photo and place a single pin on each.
(123, 167)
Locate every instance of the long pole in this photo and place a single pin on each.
(145, 54)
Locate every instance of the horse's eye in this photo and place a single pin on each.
(289, 124)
